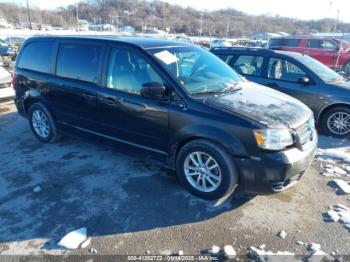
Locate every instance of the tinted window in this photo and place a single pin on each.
(128, 71)
(37, 56)
(284, 42)
(226, 58)
(249, 65)
(79, 61)
(321, 44)
(284, 70)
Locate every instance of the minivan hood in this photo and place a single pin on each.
(264, 105)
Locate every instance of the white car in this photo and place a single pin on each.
(6, 90)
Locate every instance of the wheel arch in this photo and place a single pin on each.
(325, 109)
(213, 134)
(30, 97)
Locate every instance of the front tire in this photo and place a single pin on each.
(41, 123)
(336, 122)
(206, 170)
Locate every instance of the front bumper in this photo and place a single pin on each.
(275, 172)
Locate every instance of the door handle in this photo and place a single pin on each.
(110, 100)
(89, 96)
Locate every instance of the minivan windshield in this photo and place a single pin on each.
(197, 70)
(322, 71)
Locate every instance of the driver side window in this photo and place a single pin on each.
(128, 71)
(281, 69)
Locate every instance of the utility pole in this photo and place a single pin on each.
(28, 12)
(336, 22)
(227, 29)
(76, 7)
(201, 30)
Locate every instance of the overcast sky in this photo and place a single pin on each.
(302, 9)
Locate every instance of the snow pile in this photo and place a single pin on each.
(329, 170)
(343, 185)
(215, 249)
(73, 239)
(315, 250)
(229, 251)
(262, 255)
(333, 155)
(282, 234)
(340, 213)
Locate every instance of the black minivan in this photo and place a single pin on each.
(216, 129)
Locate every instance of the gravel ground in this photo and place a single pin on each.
(130, 205)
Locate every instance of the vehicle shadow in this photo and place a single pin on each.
(109, 189)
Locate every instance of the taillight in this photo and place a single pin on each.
(13, 80)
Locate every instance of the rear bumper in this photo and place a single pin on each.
(275, 172)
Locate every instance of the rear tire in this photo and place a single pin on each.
(206, 170)
(336, 122)
(41, 123)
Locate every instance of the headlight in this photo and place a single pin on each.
(273, 139)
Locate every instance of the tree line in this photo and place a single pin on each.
(142, 14)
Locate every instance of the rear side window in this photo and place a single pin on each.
(321, 44)
(226, 58)
(249, 65)
(37, 56)
(79, 61)
(284, 42)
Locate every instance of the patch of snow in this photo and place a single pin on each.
(229, 251)
(341, 207)
(73, 239)
(333, 155)
(36, 189)
(345, 217)
(215, 249)
(86, 243)
(282, 234)
(301, 243)
(181, 253)
(314, 247)
(340, 213)
(262, 246)
(263, 254)
(333, 215)
(148, 252)
(344, 186)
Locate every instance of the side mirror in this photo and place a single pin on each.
(153, 90)
(304, 80)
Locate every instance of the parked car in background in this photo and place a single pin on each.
(216, 129)
(15, 42)
(323, 90)
(6, 90)
(333, 53)
(7, 53)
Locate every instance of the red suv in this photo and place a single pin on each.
(333, 53)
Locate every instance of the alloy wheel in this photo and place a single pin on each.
(40, 124)
(339, 123)
(202, 171)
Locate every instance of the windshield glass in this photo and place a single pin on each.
(198, 70)
(322, 71)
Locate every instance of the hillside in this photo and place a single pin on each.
(141, 14)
